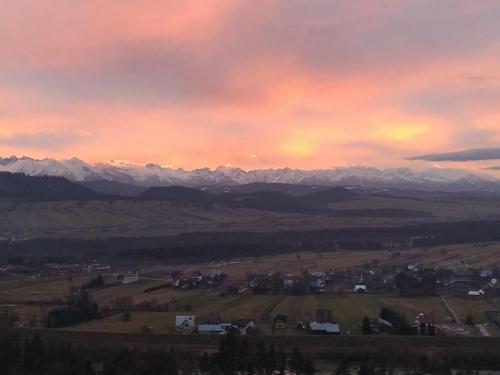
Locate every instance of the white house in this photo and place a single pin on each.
(219, 328)
(130, 277)
(185, 323)
(325, 328)
(360, 288)
(317, 283)
(476, 293)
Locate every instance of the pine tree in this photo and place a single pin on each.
(270, 363)
(366, 327)
(296, 360)
(204, 363)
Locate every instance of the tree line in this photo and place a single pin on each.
(221, 245)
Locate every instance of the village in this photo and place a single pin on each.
(410, 280)
(351, 293)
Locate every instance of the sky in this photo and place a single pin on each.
(257, 84)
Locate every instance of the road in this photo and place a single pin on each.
(450, 309)
(484, 331)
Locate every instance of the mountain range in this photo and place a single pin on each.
(114, 176)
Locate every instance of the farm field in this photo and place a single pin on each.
(33, 297)
(44, 290)
(348, 310)
(105, 219)
(121, 217)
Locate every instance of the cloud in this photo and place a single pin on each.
(297, 83)
(52, 141)
(480, 77)
(494, 168)
(473, 154)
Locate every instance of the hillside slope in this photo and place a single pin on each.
(20, 186)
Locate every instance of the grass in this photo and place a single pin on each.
(161, 322)
(99, 219)
(40, 290)
(348, 310)
(476, 307)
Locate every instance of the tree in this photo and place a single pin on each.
(270, 362)
(366, 369)
(9, 354)
(281, 360)
(308, 367)
(469, 319)
(366, 327)
(34, 354)
(296, 360)
(204, 363)
(172, 366)
(126, 316)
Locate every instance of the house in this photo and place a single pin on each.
(360, 288)
(288, 282)
(317, 283)
(129, 277)
(300, 326)
(324, 328)
(486, 273)
(494, 317)
(475, 293)
(381, 326)
(214, 328)
(318, 274)
(280, 322)
(243, 327)
(185, 323)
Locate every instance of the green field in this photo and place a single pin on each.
(348, 310)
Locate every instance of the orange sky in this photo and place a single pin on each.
(299, 83)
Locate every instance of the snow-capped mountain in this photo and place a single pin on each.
(156, 175)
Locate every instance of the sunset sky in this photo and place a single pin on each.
(257, 84)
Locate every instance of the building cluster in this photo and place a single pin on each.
(323, 324)
(411, 279)
(459, 281)
(213, 325)
(308, 282)
(198, 280)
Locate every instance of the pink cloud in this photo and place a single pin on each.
(293, 82)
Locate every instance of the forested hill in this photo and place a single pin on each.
(29, 188)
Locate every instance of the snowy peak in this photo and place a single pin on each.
(156, 175)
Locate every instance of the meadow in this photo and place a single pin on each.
(32, 297)
(348, 310)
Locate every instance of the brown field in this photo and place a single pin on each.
(40, 290)
(99, 219)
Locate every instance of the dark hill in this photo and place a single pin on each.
(336, 194)
(290, 189)
(46, 188)
(175, 194)
(113, 188)
(267, 201)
